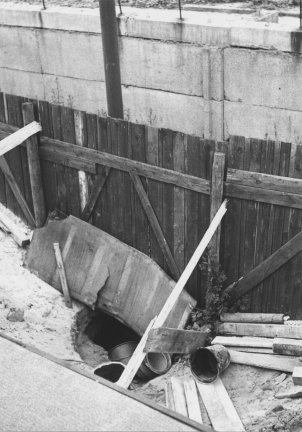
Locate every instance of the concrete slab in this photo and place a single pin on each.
(37, 394)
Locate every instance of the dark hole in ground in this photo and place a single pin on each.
(107, 332)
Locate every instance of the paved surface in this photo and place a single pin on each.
(37, 394)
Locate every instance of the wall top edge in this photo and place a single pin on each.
(200, 28)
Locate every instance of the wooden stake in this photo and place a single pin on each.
(139, 355)
(34, 167)
(62, 274)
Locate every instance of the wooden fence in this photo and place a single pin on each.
(154, 190)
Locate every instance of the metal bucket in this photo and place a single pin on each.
(153, 365)
(122, 352)
(110, 371)
(208, 363)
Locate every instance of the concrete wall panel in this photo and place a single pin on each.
(262, 122)
(263, 78)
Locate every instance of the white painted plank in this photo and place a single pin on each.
(179, 396)
(191, 395)
(19, 137)
(219, 406)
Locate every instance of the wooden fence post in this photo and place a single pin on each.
(34, 168)
(218, 170)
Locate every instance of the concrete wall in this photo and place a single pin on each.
(206, 76)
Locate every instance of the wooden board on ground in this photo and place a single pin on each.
(136, 287)
(38, 394)
(252, 318)
(265, 361)
(242, 341)
(287, 346)
(7, 224)
(169, 340)
(265, 330)
(297, 375)
(253, 350)
(182, 397)
(219, 406)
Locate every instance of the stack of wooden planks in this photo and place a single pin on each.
(264, 340)
(208, 404)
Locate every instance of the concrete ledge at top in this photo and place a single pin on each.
(158, 24)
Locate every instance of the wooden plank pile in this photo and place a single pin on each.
(269, 341)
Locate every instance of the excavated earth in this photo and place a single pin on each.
(33, 312)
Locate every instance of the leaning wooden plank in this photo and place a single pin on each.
(297, 375)
(265, 361)
(266, 268)
(130, 372)
(34, 167)
(191, 395)
(16, 190)
(170, 340)
(265, 330)
(252, 318)
(124, 164)
(18, 137)
(19, 234)
(62, 275)
(219, 406)
(255, 342)
(179, 396)
(287, 346)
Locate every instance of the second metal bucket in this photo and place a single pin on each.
(208, 363)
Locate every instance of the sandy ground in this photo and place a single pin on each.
(35, 313)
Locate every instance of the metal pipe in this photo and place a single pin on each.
(111, 58)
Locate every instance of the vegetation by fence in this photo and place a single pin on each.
(157, 191)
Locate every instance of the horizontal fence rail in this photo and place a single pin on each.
(156, 189)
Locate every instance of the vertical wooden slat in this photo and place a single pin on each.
(216, 200)
(166, 146)
(179, 202)
(154, 191)
(141, 238)
(2, 179)
(32, 148)
(49, 174)
(80, 135)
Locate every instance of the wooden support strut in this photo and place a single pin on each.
(155, 225)
(34, 167)
(97, 188)
(138, 355)
(266, 268)
(62, 274)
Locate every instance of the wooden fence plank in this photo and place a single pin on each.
(80, 129)
(155, 190)
(35, 176)
(94, 194)
(216, 200)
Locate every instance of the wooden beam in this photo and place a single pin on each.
(155, 225)
(97, 188)
(264, 181)
(265, 330)
(169, 340)
(16, 190)
(34, 167)
(62, 274)
(266, 268)
(18, 137)
(255, 342)
(253, 318)
(216, 200)
(21, 236)
(76, 162)
(128, 165)
(265, 361)
(287, 346)
(138, 354)
(297, 375)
